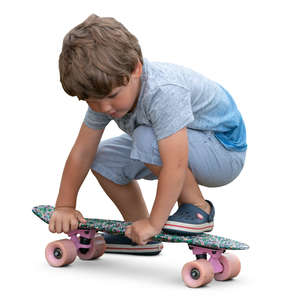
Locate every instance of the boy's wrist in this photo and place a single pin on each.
(156, 223)
(64, 206)
(63, 202)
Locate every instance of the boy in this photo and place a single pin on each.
(181, 128)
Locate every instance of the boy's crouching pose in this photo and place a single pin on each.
(180, 128)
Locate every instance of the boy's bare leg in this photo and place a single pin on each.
(190, 192)
(128, 198)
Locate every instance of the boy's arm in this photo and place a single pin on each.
(78, 165)
(65, 218)
(174, 155)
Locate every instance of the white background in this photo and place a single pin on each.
(250, 47)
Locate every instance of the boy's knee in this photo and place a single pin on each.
(96, 174)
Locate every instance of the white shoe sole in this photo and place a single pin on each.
(192, 228)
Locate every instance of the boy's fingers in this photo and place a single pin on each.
(80, 218)
(74, 221)
(66, 225)
(58, 226)
(74, 224)
(128, 231)
(51, 226)
(142, 242)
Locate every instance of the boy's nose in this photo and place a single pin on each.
(106, 108)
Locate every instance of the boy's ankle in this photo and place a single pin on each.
(204, 205)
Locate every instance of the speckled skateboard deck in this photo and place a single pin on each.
(85, 243)
(211, 241)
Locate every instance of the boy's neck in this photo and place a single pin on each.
(137, 97)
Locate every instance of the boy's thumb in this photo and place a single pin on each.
(81, 218)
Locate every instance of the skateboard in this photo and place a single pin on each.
(87, 244)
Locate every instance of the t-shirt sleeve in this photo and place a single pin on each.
(170, 110)
(95, 120)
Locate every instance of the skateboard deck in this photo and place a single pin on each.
(44, 212)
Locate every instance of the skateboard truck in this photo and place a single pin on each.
(84, 242)
(201, 253)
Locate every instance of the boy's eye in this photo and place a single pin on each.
(112, 96)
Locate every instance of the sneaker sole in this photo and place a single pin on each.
(188, 228)
(128, 249)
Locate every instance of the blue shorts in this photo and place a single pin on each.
(121, 159)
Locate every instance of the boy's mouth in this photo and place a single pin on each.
(114, 114)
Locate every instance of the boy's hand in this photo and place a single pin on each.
(65, 219)
(141, 231)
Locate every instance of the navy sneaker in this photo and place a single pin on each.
(121, 244)
(190, 219)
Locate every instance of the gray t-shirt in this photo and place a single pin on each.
(173, 97)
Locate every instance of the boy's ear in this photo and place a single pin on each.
(138, 70)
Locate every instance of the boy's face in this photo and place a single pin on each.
(122, 99)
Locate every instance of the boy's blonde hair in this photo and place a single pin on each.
(97, 56)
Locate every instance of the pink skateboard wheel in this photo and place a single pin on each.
(96, 250)
(60, 253)
(231, 267)
(197, 273)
